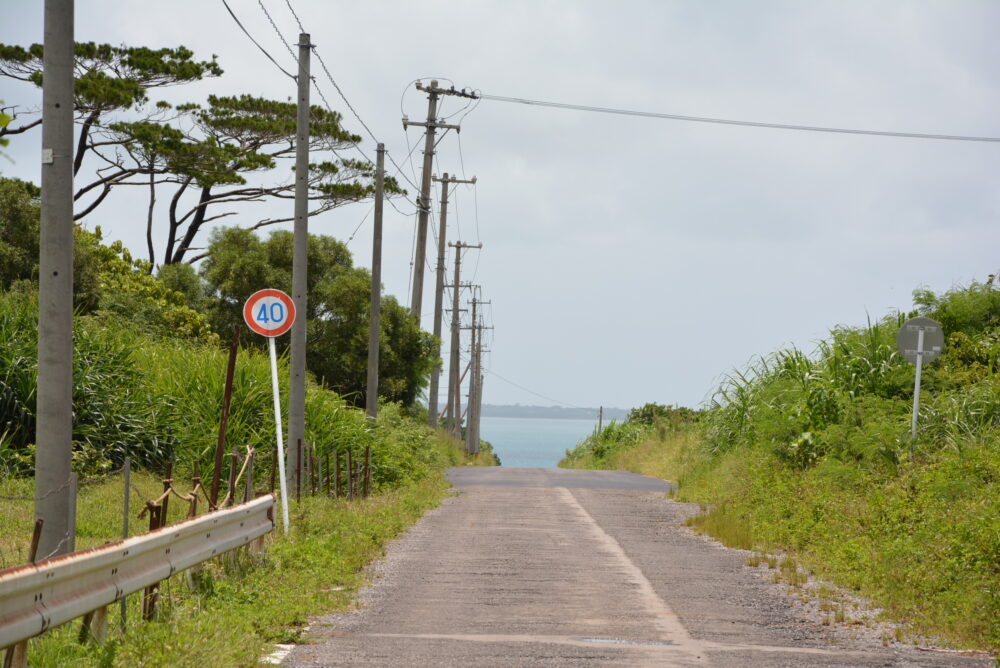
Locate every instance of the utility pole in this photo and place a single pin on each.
(454, 396)
(424, 202)
(374, 318)
(54, 454)
(471, 437)
(300, 261)
(475, 380)
(433, 392)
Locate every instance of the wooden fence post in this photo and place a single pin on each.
(336, 475)
(350, 477)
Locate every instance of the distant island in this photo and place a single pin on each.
(553, 412)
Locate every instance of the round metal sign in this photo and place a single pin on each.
(269, 312)
(909, 337)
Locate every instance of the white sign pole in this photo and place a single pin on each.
(278, 430)
(916, 388)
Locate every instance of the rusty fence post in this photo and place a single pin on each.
(195, 483)
(248, 492)
(151, 593)
(168, 481)
(227, 398)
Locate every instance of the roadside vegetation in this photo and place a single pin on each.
(810, 456)
(150, 350)
(149, 376)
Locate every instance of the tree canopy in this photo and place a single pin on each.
(212, 158)
(239, 263)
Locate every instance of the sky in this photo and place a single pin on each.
(629, 260)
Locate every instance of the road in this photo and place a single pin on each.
(553, 567)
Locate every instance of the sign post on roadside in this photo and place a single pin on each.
(270, 313)
(920, 340)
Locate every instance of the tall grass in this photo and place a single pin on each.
(157, 400)
(811, 454)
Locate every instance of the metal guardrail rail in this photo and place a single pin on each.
(37, 597)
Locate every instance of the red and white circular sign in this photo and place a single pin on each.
(269, 312)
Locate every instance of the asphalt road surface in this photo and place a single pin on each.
(553, 567)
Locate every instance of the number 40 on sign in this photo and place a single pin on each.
(269, 312)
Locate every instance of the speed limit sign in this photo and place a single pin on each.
(269, 312)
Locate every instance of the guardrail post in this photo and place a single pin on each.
(95, 625)
(151, 592)
(83, 584)
(17, 656)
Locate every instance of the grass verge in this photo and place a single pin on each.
(922, 542)
(237, 606)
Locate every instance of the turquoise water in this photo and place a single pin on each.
(533, 442)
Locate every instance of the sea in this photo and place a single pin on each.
(533, 442)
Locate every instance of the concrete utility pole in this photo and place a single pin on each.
(374, 318)
(433, 392)
(475, 380)
(454, 395)
(424, 202)
(300, 261)
(54, 454)
(471, 437)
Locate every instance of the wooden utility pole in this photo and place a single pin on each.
(454, 394)
(424, 201)
(374, 318)
(53, 457)
(300, 261)
(433, 392)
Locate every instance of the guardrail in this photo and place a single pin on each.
(37, 597)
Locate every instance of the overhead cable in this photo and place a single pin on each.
(262, 49)
(725, 121)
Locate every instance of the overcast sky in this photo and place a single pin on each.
(627, 259)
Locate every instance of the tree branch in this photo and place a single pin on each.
(16, 131)
(81, 145)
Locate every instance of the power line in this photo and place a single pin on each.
(725, 121)
(297, 20)
(262, 49)
(280, 36)
(521, 387)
